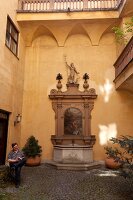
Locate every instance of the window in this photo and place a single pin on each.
(11, 36)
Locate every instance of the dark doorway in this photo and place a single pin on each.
(3, 135)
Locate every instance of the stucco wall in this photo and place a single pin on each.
(89, 44)
(91, 47)
(11, 73)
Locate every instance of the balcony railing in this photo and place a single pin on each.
(124, 59)
(67, 5)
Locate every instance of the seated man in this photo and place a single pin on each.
(16, 160)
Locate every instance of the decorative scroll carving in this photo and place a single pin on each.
(59, 105)
(91, 106)
(53, 91)
(92, 91)
(86, 105)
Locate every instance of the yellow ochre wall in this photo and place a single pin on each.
(90, 45)
(11, 73)
(26, 81)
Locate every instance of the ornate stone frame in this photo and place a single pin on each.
(84, 101)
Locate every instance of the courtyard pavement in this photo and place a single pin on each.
(47, 183)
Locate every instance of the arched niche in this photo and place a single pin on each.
(107, 39)
(78, 36)
(73, 121)
(44, 41)
(78, 40)
(43, 37)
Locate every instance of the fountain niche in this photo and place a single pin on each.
(73, 141)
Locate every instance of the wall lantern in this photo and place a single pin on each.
(17, 119)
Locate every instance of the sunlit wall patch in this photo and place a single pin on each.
(106, 90)
(107, 132)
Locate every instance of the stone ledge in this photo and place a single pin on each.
(80, 167)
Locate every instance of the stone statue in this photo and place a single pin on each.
(73, 73)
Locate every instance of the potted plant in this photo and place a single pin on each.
(111, 160)
(32, 151)
(122, 155)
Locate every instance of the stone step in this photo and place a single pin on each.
(74, 166)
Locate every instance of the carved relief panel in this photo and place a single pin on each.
(73, 122)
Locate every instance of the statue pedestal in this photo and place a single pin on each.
(73, 157)
(73, 154)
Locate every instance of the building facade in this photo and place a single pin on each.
(35, 40)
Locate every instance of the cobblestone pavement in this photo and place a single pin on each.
(47, 183)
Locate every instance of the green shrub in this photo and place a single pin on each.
(123, 153)
(32, 148)
(120, 34)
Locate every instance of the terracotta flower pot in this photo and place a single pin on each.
(33, 161)
(111, 164)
